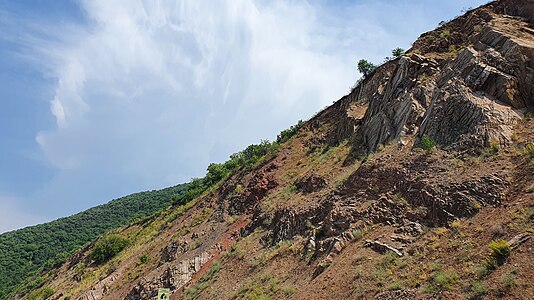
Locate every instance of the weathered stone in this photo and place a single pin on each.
(311, 183)
(173, 277)
(407, 294)
(262, 182)
(381, 247)
(518, 240)
(169, 252)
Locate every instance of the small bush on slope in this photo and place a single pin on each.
(107, 247)
(500, 250)
(427, 143)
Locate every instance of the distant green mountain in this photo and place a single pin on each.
(27, 252)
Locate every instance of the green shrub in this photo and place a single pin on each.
(285, 135)
(48, 292)
(366, 68)
(529, 150)
(290, 190)
(389, 260)
(288, 290)
(399, 199)
(176, 200)
(107, 247)
(489, 266)
(42, 294)
(478, 290)
(509, 280)
(397, 52)
(445, 34)
(500, 250)
(143, 258)
(358, 234)
(453, 51)
(395, 286)
(445, 279)
(442, 280)
(427, 143)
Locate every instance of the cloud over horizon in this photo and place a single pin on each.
(152, 93)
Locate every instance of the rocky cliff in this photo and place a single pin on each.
(352, 207)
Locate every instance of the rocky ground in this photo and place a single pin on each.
(352, 207)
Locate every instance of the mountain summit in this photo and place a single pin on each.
(418, 184)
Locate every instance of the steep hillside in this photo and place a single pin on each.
(26, 253)
(417, 185)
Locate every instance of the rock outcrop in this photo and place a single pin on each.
(173, 277)
(311, 183)
(469, 95)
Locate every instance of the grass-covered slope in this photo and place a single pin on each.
(28, 251)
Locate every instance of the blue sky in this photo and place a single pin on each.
(103, 98)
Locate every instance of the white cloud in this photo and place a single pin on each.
(156, 90)
(153, 91)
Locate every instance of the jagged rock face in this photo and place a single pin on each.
(99, 290)
(169, 253)
(287, 224)
(523, 8)
(470, 100)
(398, 101)
(257, 188)
(173, 277)
(311, 183)
(427, 203)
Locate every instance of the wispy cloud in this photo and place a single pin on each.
(156, 90)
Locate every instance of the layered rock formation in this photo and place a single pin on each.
(464, 85)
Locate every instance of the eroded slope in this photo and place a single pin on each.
(350, 207)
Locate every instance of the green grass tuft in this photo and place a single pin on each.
(427, 143)
(500, 250)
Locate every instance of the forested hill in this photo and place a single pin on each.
(28, 251)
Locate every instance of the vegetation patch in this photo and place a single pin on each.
(41, 294)
(458, 227)
(500, 250)
(366, 68)
(478, 290)
(529, 150)
(282, 248)
(31, 252)
(263, 287)
(143, 259)
(427, 143)
(358, 233)
(107, 247)
(441, 280)
(285, 135)
(444, 34)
